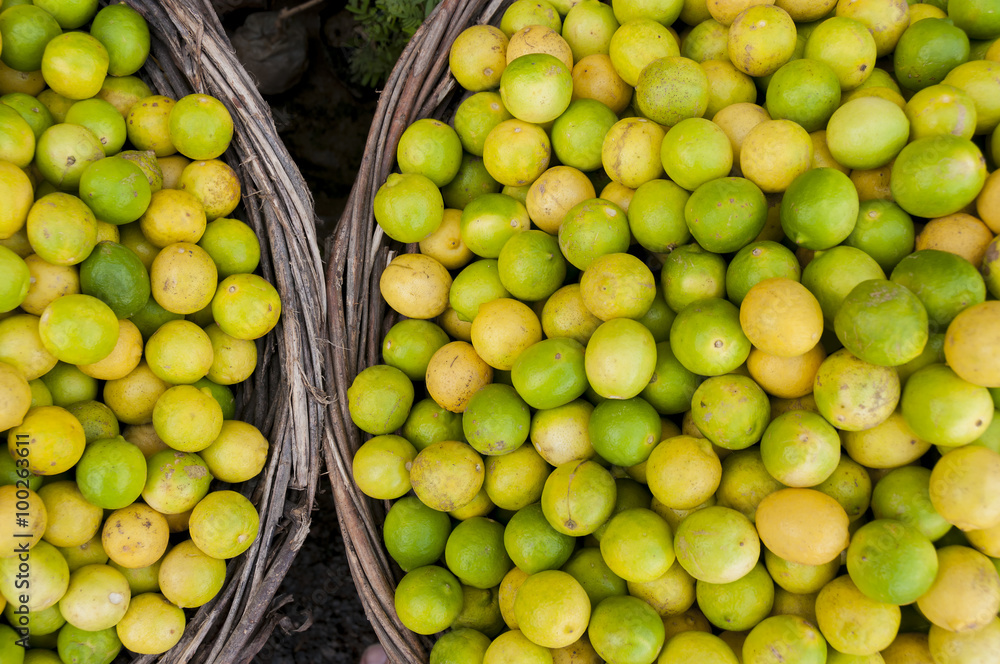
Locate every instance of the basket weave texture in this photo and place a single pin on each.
(420, 86)
(285, 396)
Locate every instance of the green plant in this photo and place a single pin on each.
(384, 28)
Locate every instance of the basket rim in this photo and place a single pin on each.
(419, 86)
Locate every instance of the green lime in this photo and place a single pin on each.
(222, 394)
(832, 274)
(460, 645)
(578, 134)
(891, 561)
(626, 629)
(475, 552)
(536, 87)
(16, 285)
(691, 273)
(927, 51)
(707, 339)
(578, 497)
(716, 544)
(804, 91)
(432, 149)
(656, 215)
(819, 209)
(800, 449)
(475, 118)
(111, 473)
(471, 181)
(409, 345)
(850, 485)
(672, 386)
(696, 151)
(620, 358)
(68, 385)
(731, 410)
(496, 420)
(83, 647)
(429, 423)
(952, 165)
(738, 605)
(125, 35)
(943, 409)
(534, 545)
(593, 228)
(624, 431)
(78, 329)
(882, 322)
(64, 152)
(35, 113)
(175, 481)
(904, 495)
(756, 262)
(531, 266)
(408, 207)
(25, 31)
(116, 276)
(381, 467)
(428, 599)
(745, 482)
(638, 545)
(116, 190)
(414, 534)
(489, 221)
(941, 109)
(588, 26)
(726, 214)
(477, 283)
(944, 283)
(551, 373)
(784, 639)
(379, 399)
(233, 246)
(151, 316)
(587, 566)
(883, 231)
(671, 89)
(101, 118)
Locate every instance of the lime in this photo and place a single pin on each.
(945, 283)
(956, 166)
(703, 537)
(593, 228)
(476, 116)
(762, 38)
(731, 411)
(944, 409)
(683, 472)
(516, 152)
(867, 132)
(706, 337)
(891, 561)
(496, 420)
(624, 431)
(755, 263)
(536, 87)
(745, 482)
(588, 26)
(671, 89)
(115, 190)
(695, 151)
(815, 225)
(726, 214)
(379, 399)
(804, 91)
(617, 285)
(904, 495)
(430, 423)
(691, 273)
(550, 373)
(578, 497)
(882, 323)
(408, 207)
(74, 64)
(631, 151)
(25, 32)
(381, 467)
(784, 639)
(78, 645)
(639, 41)
(638, 545)
(626, 629)
(533, 544)
(577, 134)
(489, 221)
(656, 215)
(531, 266)
(594, 77)
(740, 604)
(432, 149)
(475, 552)
(409, 345)
(620, 358)
(832, 274)
(852, 622)
(847, 46)
(111, 473)
(477, 57)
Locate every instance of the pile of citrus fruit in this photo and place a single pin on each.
(128, 308)
(699, 358)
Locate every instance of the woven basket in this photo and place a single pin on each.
(420, 86)
(284, 397)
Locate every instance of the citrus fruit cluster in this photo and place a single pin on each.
(699, 358)
(128, 308)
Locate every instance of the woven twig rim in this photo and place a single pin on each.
(285, 396)
(420, 86)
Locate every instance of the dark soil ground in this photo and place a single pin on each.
(324, 121)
